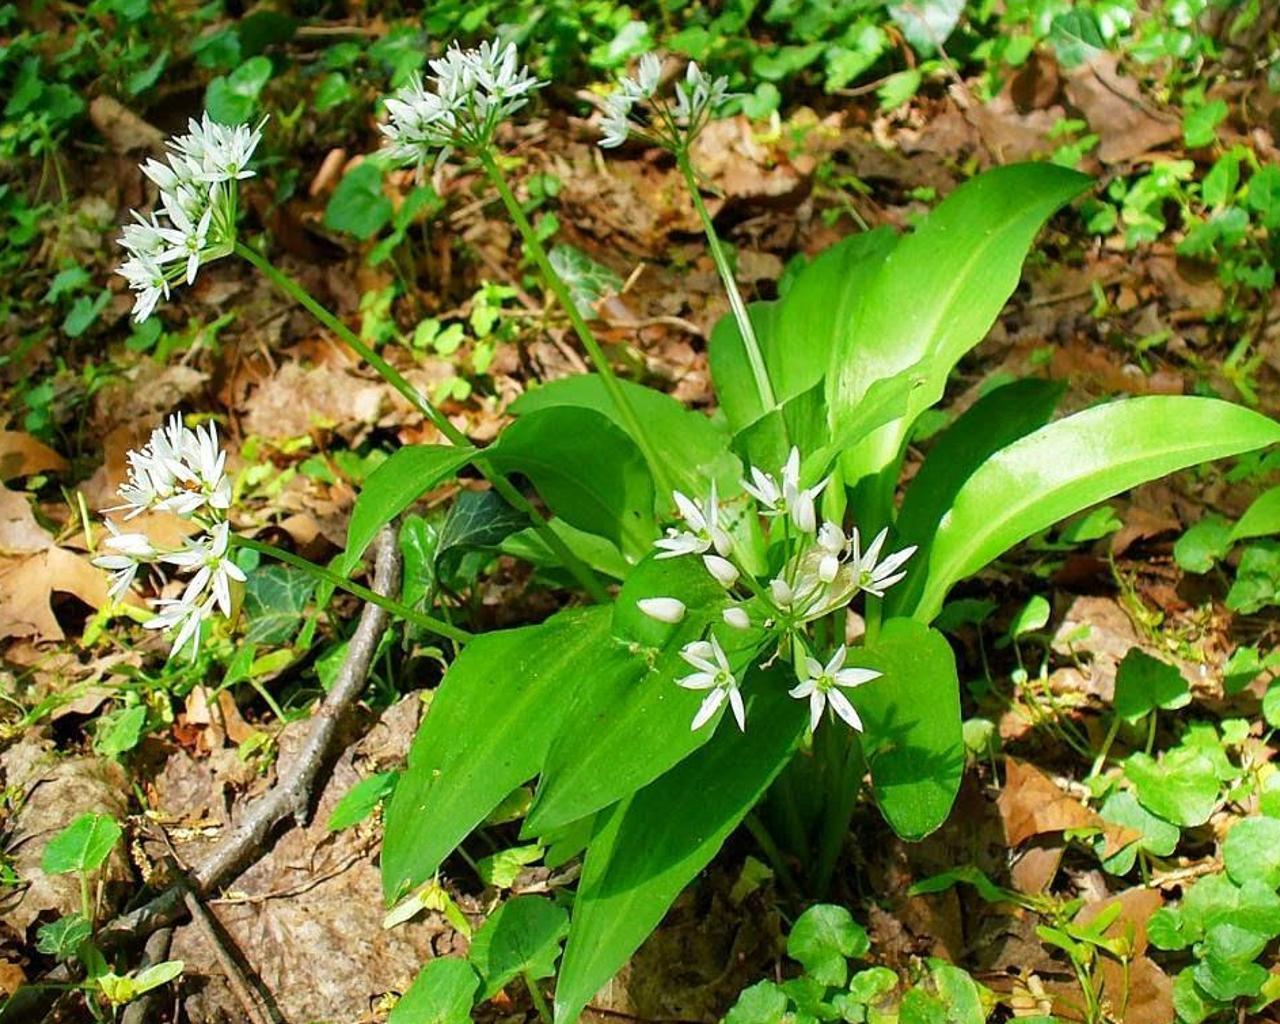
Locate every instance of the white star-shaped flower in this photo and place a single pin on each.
(822, 684)
(713, 674)
(875, 578)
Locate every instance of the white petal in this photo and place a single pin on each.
(852, 677)
(837, 660)
(817, 702)
(840, 704)
(710, 705)
(698, 681)
(739, 710)
(803, 690)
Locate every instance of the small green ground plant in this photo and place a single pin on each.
(755, 567)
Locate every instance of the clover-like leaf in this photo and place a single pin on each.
(823, 939)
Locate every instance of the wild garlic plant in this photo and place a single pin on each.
(743, 609)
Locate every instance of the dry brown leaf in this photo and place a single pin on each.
(1032, 804)
(1127, 125)
(21, 455)
(1142, 995)
(28, 584)
(20, 534)
(12, 977)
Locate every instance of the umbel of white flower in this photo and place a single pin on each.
(460, 105)
(196, 217)
(823, 569)
(183, 472)
(672, 123)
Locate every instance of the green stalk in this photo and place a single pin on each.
(539, 1000)
(428, 622)
(457, 438)
(845, 766)
(534, 247)
(759, 372)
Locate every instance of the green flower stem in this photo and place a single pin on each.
(759, 372)
(842, 751)
(539, 1000)
(580, 571)
(535, 249)
(427, 622)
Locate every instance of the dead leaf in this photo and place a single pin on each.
(28, 585)
(1142, 995)
(1032, 804)
(22, 455)
(1136, 907)
(124, 130)
(20, 534)
(12, 977)
(1127, 125)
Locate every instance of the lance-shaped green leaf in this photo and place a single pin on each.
(488, 730)
(936, 295)
(652, 845)
(913, 738)
(1076, 462)
(395, 485)
(696, 446)
(587, 470)
(629, 729)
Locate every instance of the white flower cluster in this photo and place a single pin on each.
(198, 199)
(822, 570)
(183, 472)
(672, 125)
(469, 93)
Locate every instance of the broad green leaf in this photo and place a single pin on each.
(61, 938)
(823, 940)
(1257, 582)
(395, 485)
(1159, 837)
(275, 597)
(1075, 462)
(521, 937)
(501, 869)
(1261, 519)
(997, 419)
(488, 730)
(697, 447)
(1181, 787)
(1251, 852)
(1206, 542)
(119, 731)
(937, 294)
(81, 846)
(442, 993)
(762, 1003)
(1145, 684)
(358, 205)
(627, 730)
(588, 280)
(360, 800)
(587, 470)
(653, 844)
(913, 737)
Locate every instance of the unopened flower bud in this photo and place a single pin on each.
(662, 609)
(737, 618)
(722, 569)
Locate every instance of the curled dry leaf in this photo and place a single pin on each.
(1032, 804)
(22, 455)
(27, 586)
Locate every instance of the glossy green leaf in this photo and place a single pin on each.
(937, 294)
(913, 738)
(652, 845)
(823, 940)
(395, 485)
(522, 936)
(1073, 463)
(1159, 837)
(1145, 684)
(1261, 519)
(997, 419)
(696, 447)
(82, 846)
(360, 800)
(588, 471)
(442, 993)
(1181, 787)
(1251, 852)
(488, 730)
(626, 731)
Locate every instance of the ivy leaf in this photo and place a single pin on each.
(81, 846)
(927, 24)
(478, 519)
(61, 938)
(588, 280)
(275, 597)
